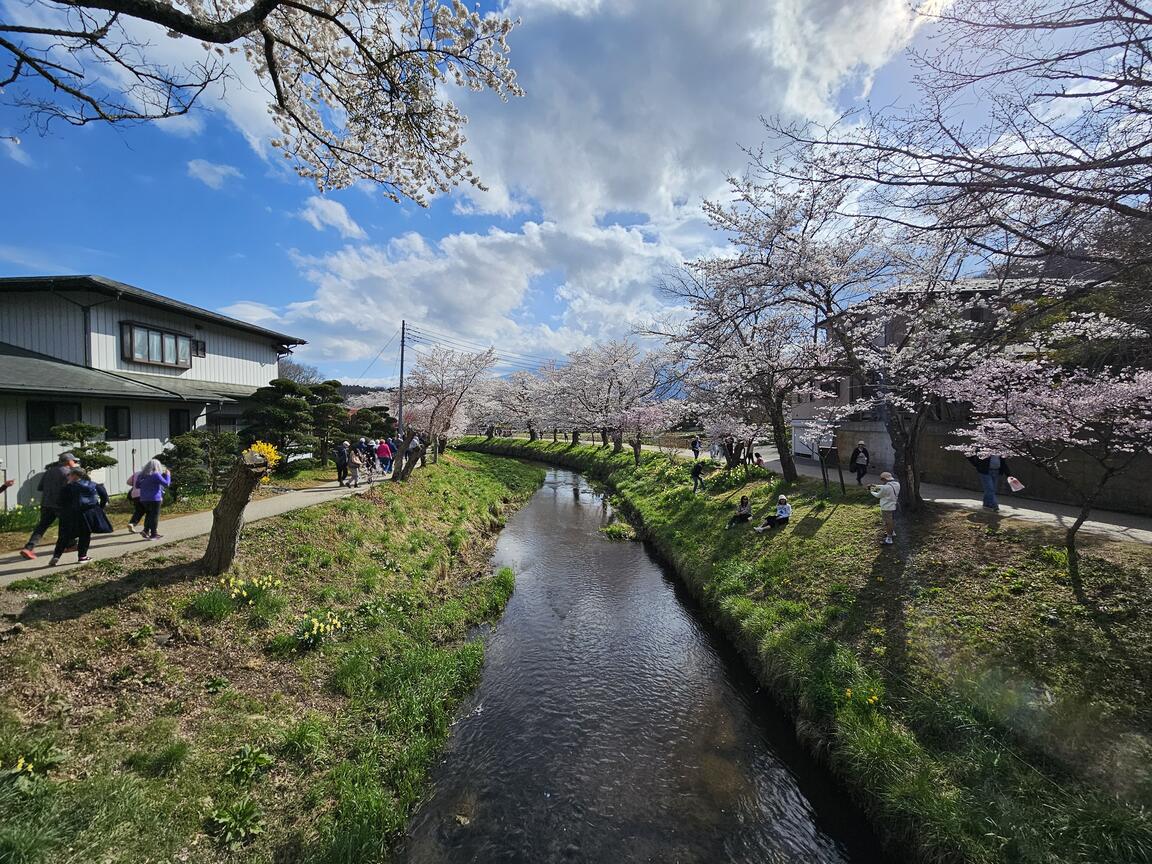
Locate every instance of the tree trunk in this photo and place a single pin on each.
(490, 432)
(905, 438)
(555, 431)
(575, 437)
(783, 441)
(603, 437)
(532, 433)
(400, 458)
(636, 445)
(228, 515)
(617, 442)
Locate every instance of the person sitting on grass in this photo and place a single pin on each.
(743, 512)
(780, 517)
(758, 460)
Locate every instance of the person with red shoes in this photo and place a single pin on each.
(51, 485)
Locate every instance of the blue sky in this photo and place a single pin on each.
(635, 111)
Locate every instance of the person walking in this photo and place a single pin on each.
(340, 455)
(134, 498)
(82, 504)
(355, 463)
(153, 480)
(859, 461)
(888, 491)
(384, 456)
(990, 468)
(51, 485)
(697, 476)
(695, 445)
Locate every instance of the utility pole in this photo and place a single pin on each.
(400, 409)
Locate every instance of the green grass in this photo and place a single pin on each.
(979, 709)
(170, 720)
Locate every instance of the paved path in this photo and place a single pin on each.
(1118, 526)
(105, 546)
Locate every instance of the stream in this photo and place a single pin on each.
(614, 724)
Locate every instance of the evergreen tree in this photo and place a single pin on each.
(329, 417)
(84, 441)
(281, 414)
(185, 459)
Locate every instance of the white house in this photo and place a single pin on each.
(145, 367)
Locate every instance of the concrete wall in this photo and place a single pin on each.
(1130, 493)
(24, 460)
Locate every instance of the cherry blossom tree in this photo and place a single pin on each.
(745, 352)
(440, 382)
(1047, 414)
(600, 383)
(1034, 123)
(357, 89)
(644, 421)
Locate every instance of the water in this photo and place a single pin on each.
(613, 725)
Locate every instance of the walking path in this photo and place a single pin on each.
(1117, 526)
(106, 546)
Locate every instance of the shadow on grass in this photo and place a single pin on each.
(813, 521)
(104, 594)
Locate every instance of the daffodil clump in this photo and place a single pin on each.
(246, 592)
(314, 629)
(271, 455)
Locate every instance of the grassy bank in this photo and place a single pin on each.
(979, 709)
(288, 713)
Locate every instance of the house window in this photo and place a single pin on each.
(179, 421)
(199, 349)
(143, 344)
(117, 423)
(42, 416)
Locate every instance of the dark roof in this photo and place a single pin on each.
(26, 371)
(103, 285)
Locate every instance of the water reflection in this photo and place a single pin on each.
(612, 726)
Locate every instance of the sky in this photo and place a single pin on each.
(635, 112)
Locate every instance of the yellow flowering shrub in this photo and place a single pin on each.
(271, 455)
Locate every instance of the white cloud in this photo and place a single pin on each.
(477, 286)
(643, 106)
(211, 174)
(15, 152)
(323, 213)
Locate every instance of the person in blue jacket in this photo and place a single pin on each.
(153, 480)
(81, 505)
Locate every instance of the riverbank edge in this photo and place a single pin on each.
(462, 556)
(918, 812)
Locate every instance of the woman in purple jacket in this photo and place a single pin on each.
(151, 482)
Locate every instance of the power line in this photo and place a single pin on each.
(395, 333)
(444, 342)
(476, 345)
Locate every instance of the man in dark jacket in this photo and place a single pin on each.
(340, 454)
(51, 484)
(697, 476)
(990, 468)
